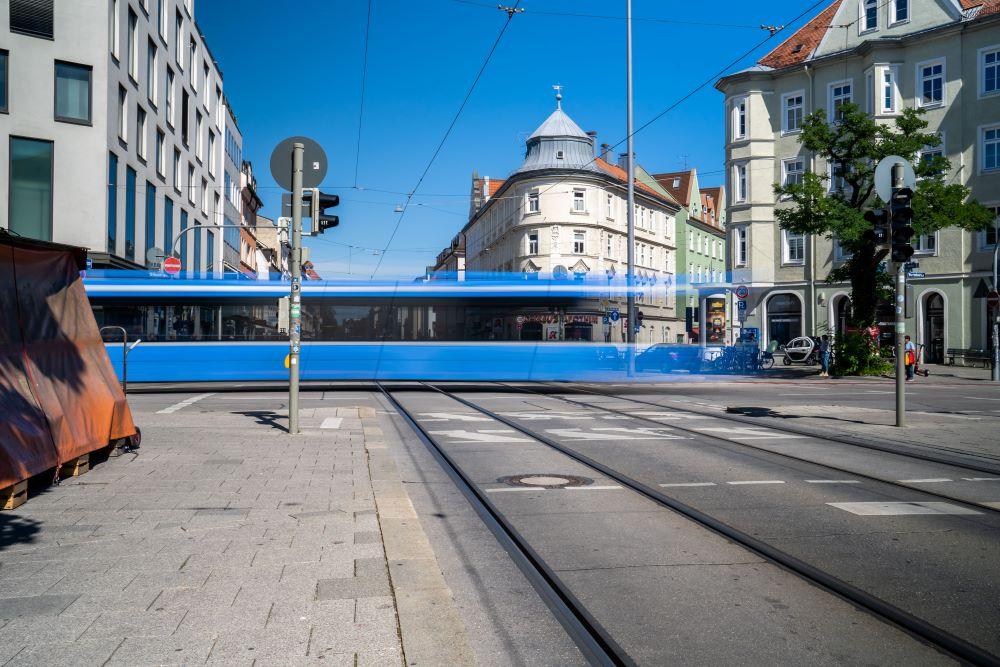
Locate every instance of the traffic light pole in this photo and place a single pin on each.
(897, 184)
(995, 375)
(295, 305)
(630, 200)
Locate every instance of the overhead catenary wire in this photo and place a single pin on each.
(364, 82)
(451, 126)
(609, 17)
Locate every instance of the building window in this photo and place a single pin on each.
(199, 140)
(130, 213)
(900, 11)
(929, 153)
(168, 225)
(925, 244)
(611, 207)
(218, 108)
(179, 40)
(133, 46)
(29, 210)
(579, 201)
(184, 238)
(991, 148)
(930, 83)
(869, 15)
(837, 181)
(205, 74)
(122, 114)
(705, 247)
(988, 237)
(887, 91)
(31, 17)
(192, 59)
(795, 247)
(610, 240)
(989, 67)
(150, 216)
(533, 202)
(560, 155)
(210, 253)
(740, 246)
(161, 17)
(578, 242)
(739, 120)
(198, 266)
(792, 171)
(112, 201)
(740, 182)
(177, 170)
(204, 196)
(191, 183)
(152, 76)
(140, 133)
(211, 152)
(73, 93)
(185, 135)
(533, 243)
(840, 94)
(794, 106)
(3, 81)
(161, 158)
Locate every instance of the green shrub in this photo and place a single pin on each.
(858, 354)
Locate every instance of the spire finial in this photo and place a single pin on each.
(558, 88)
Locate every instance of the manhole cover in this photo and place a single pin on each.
(545, 480)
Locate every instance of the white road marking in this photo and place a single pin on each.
(833, 481)
(669, 415)
(516, 488)
(592, 488)
(689, 484)
(749, 433)
(483, 435)
(930, 480)
(452, 416)
(981, 398)
(901, 508)
(564, 488)
(183, 404)
(944, 414)
(332, 422)
(981, 479)
(758, 481)
(535, 416)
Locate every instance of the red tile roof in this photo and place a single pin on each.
(803, 41)
(622, 176)
(682, 192)
(987, 6)
(493, 185)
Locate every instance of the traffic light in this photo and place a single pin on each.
(901, 221)
(879, 233)
(318, 203)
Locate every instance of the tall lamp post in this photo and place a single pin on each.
(995, 375)
(630, 200)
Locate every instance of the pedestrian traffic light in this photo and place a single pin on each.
(318, 203)
(901, 225)
(879, 233)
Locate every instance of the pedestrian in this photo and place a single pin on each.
(824, 356)
(909, 357)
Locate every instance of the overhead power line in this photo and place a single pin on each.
(364, 82)
(608, 17)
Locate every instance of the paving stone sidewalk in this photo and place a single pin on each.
(227, 541)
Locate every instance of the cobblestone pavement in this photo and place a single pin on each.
(225, 540)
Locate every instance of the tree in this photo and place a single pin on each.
(854, 143)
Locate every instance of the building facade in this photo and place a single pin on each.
(562, 214)
(701, 258)
(112, 120)
(941, 55)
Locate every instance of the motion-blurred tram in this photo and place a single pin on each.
(237, 330)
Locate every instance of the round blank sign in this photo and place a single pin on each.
(883, 176)
(313, 163)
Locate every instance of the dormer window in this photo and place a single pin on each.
(869, 15)
(677, 183)
(560, 155)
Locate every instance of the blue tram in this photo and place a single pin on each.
(490, 328)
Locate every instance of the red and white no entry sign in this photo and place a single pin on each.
(171, 265)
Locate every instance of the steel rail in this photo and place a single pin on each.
(793, 457)
(591, 638)
(846, 440)
(918, 627)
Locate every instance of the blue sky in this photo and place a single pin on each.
(290, 73)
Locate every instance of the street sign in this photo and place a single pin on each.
(742, 292)
(993, 299)
(520, 319)
(614, 315)
(286, 206)
(90, 264)
(741, 305)
(314, 163)
(154, 258)
(172, 266)
(916, 274)
(883, 176)
(606, 320)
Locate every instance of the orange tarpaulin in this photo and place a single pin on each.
(59, 396)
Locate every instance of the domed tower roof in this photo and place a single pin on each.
(559, 143)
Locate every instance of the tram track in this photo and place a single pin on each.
(924, 630)
(800, 459)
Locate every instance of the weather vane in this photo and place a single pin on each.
(558, 88)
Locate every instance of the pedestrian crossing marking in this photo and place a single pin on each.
(901, 508)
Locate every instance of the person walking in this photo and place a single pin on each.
(909, 357)
(824, 356)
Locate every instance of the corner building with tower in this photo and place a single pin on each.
(942, 55)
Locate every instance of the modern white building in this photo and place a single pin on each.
(112, 126)
(562, 213)
(941, 55)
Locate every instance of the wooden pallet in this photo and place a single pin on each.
(75, 467)
(14, 496)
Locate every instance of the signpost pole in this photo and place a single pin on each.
(995, 374)
(295, 305)
(897, 183)
(630, 199)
